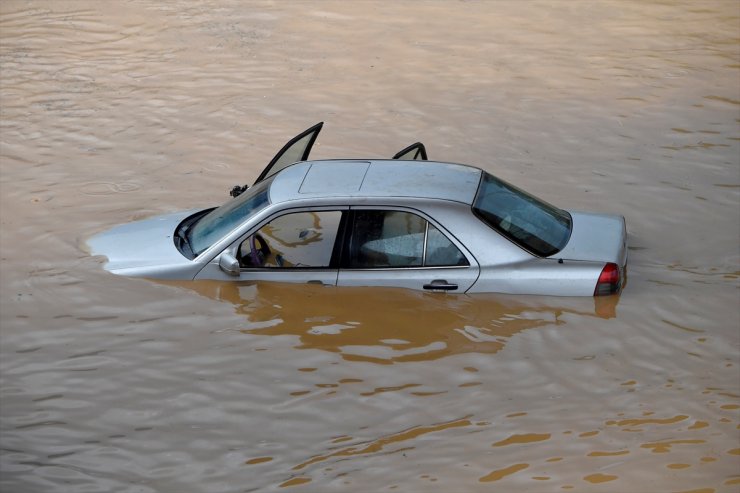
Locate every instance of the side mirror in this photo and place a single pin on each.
(229, 264)
(238, 190)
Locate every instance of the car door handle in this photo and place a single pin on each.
(441, 285)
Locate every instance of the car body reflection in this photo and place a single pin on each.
(392, 325)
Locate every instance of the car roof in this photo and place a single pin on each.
(376, 178)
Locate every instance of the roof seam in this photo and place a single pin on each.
(300, 185)
(364, 176)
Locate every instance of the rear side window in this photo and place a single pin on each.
(391, 239)
(440, 251)
(531, 223)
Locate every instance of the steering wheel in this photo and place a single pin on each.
(258, 254)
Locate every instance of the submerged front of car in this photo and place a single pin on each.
(144, 248)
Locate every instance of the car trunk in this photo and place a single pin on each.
(596, 237)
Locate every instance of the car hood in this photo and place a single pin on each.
(141, 243)
(596, 237)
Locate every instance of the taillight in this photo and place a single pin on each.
(609, 280)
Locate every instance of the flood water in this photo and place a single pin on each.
(115, 111)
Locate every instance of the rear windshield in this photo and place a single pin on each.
(222, 220)
(536, 226)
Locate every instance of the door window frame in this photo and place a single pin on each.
(304, 156)
(336, 249)
(348, 226)
(414, 152)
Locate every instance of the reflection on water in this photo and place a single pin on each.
(391, 325)
(501, 473)
(384, 442)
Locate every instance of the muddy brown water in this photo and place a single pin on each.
(114, 111)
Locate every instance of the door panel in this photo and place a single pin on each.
(413, 278)
(291, 246)
(399, 248)
(297, 149)
(323, 276)
(327, 277)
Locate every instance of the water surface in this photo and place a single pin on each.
(115, 111)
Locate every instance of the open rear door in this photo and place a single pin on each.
(414, 152)
(294, 151)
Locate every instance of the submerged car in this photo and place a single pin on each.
(402, 222)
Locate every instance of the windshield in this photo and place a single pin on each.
(220, 221)
(536, 226)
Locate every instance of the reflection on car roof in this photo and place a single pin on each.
(382, 178)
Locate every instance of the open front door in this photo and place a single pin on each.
(414, 152)
(294, 151)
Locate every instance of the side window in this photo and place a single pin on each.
(300, 239)
(386, 239)
(396, 239)
(441, 251)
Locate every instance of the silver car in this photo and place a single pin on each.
(403, 222)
